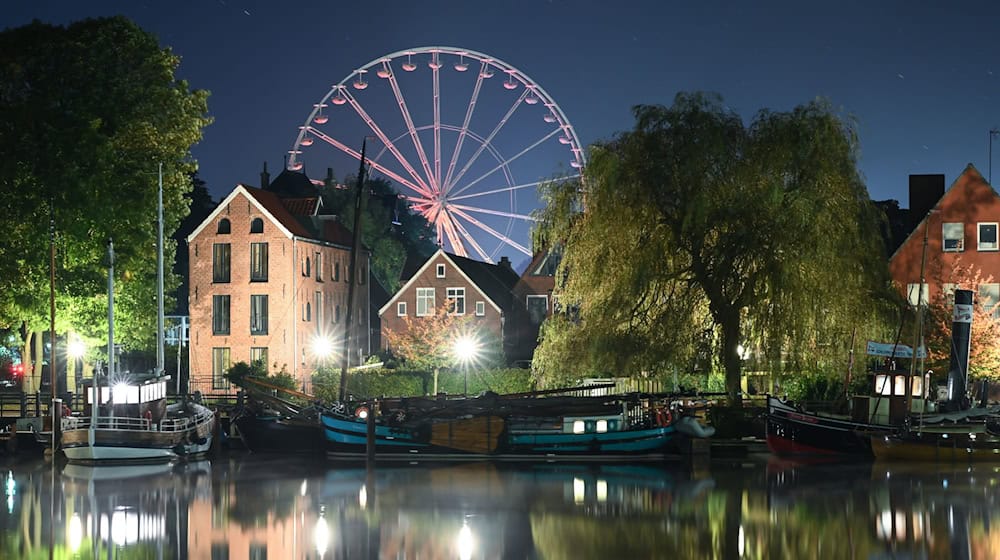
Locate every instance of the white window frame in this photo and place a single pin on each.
(480, 309)
(458, 294)
(401, 309)
(425, 296)
(995, 245)
(439, 271)
(544, 298)
(911, 294)
(953, 232)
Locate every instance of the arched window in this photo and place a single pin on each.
(257, 226)
(306, 269)
(223, 226)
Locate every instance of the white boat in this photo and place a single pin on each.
(133, 423)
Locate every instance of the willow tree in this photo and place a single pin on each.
(763, 232)
(88, 112)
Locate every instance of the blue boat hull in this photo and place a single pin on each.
(347, 438)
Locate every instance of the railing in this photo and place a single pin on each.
(130, 423)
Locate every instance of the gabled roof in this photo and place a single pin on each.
(494, 282)
(302, 206)
(323, 229)
(292, 184)
(967, 181)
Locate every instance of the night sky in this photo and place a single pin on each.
(920, 77)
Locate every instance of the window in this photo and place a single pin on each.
(307, 312)
(257, 225)
(989, 295)
(336, 271)
(953, 237)
(258, 262)
(306, 270)
(988, 237)
(220, 314)
(318, 298)
(439, 271)
(480, 308)
(336, 313)
(258, 314)
(220, 365)
(401, 309)
(913, 291)
(258, 354)
(258, 551)
(220, 262)
(318, 262)
(425, 301)
(220, 551)
(223, 227)
(538, 307)
(456, 301)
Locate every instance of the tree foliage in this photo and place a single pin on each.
(984, 351)
(763, 235)
(87, 113)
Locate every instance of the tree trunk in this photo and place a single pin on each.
(435, 392)
(731, 361)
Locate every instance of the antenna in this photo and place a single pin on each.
(993, 132)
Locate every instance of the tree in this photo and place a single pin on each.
(388, 227)
(763, 233)
(428, 343)
(984, 350)
(87, 113)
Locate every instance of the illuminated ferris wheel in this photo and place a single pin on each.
(466, 137)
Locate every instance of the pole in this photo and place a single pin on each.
(53, 379)
(918, 334)
(352, 275)
(993, 132)
(160, 359)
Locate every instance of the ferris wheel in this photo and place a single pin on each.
(466, 138)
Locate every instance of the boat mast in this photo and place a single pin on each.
(159, 279)
(352, 276)
(918, 334)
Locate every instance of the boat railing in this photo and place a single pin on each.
(130, 423)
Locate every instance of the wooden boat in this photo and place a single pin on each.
(142, 428)
(625, 427)
(266, 423)
(959, 444)
(791, 430)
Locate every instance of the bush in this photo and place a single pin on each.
(408, 383)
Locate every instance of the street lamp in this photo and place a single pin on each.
(466, 350)
(76, 349)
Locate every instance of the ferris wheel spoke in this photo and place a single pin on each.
(412, 129)
(491, 231)
(385, 139)
(509, 160)
(524, 217)
(381, 168)
(510, 188)
(488, 139)
(436, 67)
(470, 239)
(453, 237)
(465, 124)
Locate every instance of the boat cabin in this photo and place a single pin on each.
(887, 402)
(130, 395)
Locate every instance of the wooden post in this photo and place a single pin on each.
(370, 441)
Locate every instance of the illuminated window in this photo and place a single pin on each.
(425, 302)
(456, 301)
(258, 262)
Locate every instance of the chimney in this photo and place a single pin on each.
(504, 261)
(265, 177)
(925, 191)
(328, 181)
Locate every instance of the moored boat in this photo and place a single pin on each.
(624, 427)
(971, 444)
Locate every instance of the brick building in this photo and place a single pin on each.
(533, 303)
(960, 226)
(269, 280)
(475, 288)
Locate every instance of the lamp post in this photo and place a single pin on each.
(75, 350)
(993, 132)
(466, 350)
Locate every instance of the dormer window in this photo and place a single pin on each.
(223, 226)
(439, 271)
(257, 226)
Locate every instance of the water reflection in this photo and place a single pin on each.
(258, 507)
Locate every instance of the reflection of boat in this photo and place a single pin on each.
(491, 426)
(969, 445)
(114, 472)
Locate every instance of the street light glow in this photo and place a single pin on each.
(466, 348)
(76, 348)
(322, 346)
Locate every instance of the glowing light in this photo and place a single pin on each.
(75, 536)
(602, 490)
(321, 534)
(302, 488)
(579, 490)
(120, 393)
(466, 543)
(578, 427)
(466, 349)
(363, 497)
(602, 426)
(76, 348)
(322, 346)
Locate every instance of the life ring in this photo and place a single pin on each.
(664, 417)
(361, 412)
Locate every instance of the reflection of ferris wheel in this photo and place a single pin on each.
(466, 136)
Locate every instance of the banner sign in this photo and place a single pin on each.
(901, 350)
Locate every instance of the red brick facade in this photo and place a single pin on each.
(968, 214)
(305, 289)
(439, 274)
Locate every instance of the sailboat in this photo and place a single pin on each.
(130, 419)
